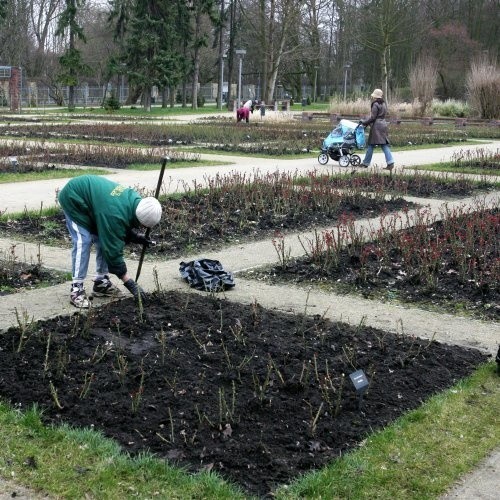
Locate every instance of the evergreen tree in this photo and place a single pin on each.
(71, 61)
(150, 47)
(3, 9)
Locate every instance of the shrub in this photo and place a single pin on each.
(200, 100)
(450, 107)
(111, 103)
(483, 86)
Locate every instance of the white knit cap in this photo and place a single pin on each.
(148, 211)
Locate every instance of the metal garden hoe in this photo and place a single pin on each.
(148, 230)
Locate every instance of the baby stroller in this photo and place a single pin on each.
(340, 143)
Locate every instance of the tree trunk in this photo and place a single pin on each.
(385, 76)
(230, 56)
(164, 97)
(220, 86)
(146, 99)
(196, 58)
(71, 90)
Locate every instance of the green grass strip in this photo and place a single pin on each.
(35, 214)
(74, 463)
(178, 164)
(450, 167)
(6, 177)
(422, 454)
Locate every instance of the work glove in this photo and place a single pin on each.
(135, 290)
(135, 237)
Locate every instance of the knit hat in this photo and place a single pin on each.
(377, 94)
(148, 211)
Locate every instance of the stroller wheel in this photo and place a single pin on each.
(323, 158)
(344, 161)
(355, 160)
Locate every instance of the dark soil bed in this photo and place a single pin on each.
(256, 395)
(26, 168)
(191, 224)
(15, 276)
(385, 271)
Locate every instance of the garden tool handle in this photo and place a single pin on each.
(148, 230)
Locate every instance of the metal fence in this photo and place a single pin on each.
(85, 96)
(39, 96)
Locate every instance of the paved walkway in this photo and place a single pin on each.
(443, 327)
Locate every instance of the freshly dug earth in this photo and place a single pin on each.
(256, 395)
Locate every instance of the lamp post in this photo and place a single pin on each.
(241, 53)
(221, 80)
(346, 69)
(123, 68)
(315, 83)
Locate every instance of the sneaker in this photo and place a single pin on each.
(389, 167)
(78, 296)
(363, 165)
(104, 288)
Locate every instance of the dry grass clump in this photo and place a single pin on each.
(423, 78)
(483, 86)
(361, 107)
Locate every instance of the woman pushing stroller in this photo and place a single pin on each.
(378, 135)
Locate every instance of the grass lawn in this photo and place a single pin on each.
(420, 456)
(178, 164)
(59, 173)
(451, 167)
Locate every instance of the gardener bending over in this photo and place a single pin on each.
(243, 113)
(102, 212)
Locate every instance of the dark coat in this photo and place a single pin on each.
(378, 125)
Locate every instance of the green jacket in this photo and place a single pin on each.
(106, 209)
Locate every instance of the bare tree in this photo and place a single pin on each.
(43, 16)
(14, 41)
(201, 10)
(101, 48)
(386, 24)
(270, 30)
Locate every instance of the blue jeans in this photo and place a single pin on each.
(80, 253)
(385, 148)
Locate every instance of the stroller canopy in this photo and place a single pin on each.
(345, 130)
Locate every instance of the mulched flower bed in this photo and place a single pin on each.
(191, 224)
(15, 276)
(256, 395)
(418, 271)
(25, 168)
